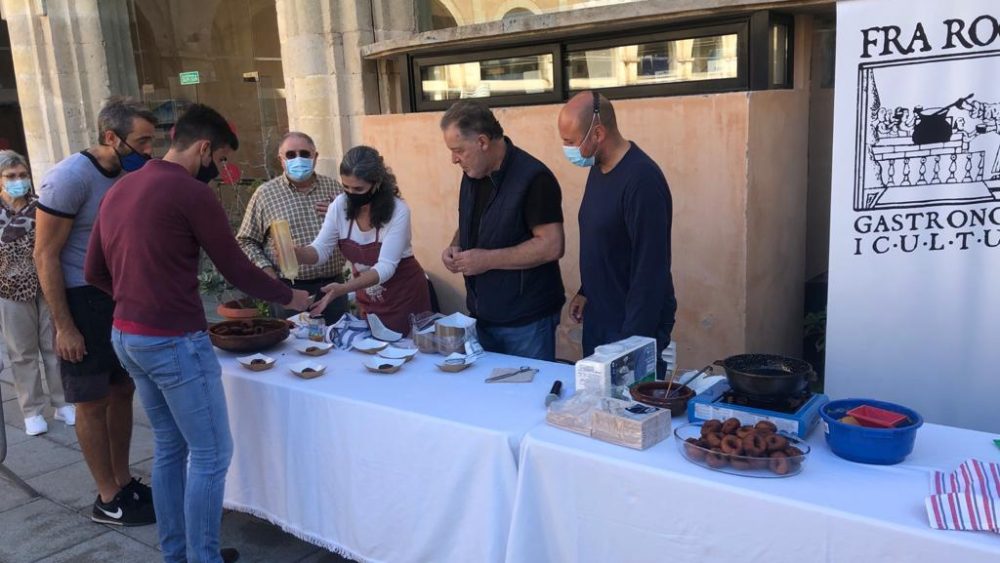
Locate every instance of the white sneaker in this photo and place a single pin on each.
(35, 425)
(67, 414)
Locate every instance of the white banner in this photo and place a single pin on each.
(914, 316)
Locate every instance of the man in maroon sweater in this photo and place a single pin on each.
(144, 251)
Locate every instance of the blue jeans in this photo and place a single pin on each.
(534, 340)
(179, 381)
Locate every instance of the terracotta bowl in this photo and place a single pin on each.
(237, 310)
(654, 393)
(248, 336)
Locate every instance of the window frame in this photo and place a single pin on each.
(761, 63)
(753, 66)
(417, 63)
(707, 86)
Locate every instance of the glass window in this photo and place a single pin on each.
(516, 75)
(441, 14)
(225, 54)
(779, 55)
(661, 62)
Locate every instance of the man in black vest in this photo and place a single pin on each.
(510, 235)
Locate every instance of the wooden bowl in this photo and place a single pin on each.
(653, 393)
(248, 336)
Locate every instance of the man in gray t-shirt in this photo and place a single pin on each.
(73, 189)
(93, 379)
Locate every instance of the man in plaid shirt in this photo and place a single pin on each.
(300, 196)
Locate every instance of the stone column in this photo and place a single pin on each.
(328, 85)
(69, 56)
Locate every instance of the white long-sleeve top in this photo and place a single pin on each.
(394, 236)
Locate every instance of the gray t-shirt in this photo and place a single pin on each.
(74, 189)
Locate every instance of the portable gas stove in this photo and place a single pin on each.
(797, 414)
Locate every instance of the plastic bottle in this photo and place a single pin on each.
(285, 247)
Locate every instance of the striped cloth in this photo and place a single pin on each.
(346, 330)
(966, 499)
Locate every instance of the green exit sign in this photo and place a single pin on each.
(188, 78)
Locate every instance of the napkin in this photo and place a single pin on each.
(524, 377)
(965, 499)
(346, 330)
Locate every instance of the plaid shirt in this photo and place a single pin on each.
(278, 199)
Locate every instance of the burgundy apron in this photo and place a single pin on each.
(405, 293)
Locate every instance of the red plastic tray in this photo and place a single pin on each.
(874, 416)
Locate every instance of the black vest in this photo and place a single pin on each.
(508, 297)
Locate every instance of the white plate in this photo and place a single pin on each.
(380, 331)
(380, 363)
(253, 362)
(398, 353)
(369, 345)
(457, 362)
(312, 348)
(300, 368)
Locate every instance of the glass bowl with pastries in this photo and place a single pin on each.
(732, 447)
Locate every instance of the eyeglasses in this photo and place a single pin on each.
(13, 176)
(300, 153)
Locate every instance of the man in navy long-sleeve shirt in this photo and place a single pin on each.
(625, 221)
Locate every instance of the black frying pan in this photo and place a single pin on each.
(767, 377)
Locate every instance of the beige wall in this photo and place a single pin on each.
(776, 221)
(701, 143)
(777, 188)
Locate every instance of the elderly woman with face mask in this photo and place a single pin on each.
(24, 317)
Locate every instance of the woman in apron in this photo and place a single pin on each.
(370, 225)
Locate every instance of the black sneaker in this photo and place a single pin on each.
(229, 555)
(123, 510)
(139, 491)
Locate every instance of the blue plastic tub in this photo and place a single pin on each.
(880, 446)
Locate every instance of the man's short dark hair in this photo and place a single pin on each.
(202, 123)
(117, 114)
(472, 118)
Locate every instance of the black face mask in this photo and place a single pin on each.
(207, 173)
(359, 200)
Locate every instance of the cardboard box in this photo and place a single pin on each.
(629, 424)
(613, 368)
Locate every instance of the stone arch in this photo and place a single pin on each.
(516, 7)
(442, 11)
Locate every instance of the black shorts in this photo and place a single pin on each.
(91, 379)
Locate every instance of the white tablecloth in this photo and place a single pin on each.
(416, 466)
(583, 500)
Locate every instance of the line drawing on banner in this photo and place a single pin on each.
(933, 146)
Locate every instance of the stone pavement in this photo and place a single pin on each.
(56, 527)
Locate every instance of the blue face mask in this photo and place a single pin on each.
(17, 188)
(133, 160)
(573, 153)
(299, 169)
